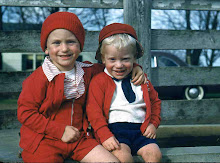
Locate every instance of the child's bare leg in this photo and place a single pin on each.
(99, 154)
(150, 153)
(124, 153)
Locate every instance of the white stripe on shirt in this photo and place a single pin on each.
(73, 86)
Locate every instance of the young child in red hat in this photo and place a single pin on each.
(51, 106)
(124, 116)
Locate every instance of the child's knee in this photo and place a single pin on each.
(124, 157)
(150, 152)
(157, 154)
(124, 154)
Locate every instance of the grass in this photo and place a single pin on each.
(8, 104)
(8, 101)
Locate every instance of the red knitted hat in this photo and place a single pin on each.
(62, 20)
(118, 28)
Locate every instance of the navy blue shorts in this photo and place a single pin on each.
(130, 134)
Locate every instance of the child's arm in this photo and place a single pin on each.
(96, 113)
(150, 131)
(155, 106)
(111, 144)
(138, 76)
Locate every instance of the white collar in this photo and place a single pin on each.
(50, 70)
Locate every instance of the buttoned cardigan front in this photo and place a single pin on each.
(100, 94)
(39, 103)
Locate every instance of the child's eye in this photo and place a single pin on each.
(126, 59)
(56, 42)
(71, 42)
(111, 59)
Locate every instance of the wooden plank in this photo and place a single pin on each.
(20, 41)
(186, 4)
(182, 76)
(91, 41)
(65, 3)
(169, 76)
(29, 41)
(185, 39)
(140, 18)
(169, 131)
(176, 112)
(12, 81)
(157, 4)
(180, 112)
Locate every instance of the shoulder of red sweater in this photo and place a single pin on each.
(101, 77)
(37, 75)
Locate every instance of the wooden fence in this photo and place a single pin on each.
(138, 14)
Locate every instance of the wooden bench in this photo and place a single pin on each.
(10, 150)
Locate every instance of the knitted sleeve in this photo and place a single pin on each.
(94, 109)
(155, 105)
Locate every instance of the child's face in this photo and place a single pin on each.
(119, 63)
(63, 49)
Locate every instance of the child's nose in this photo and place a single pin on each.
(119, 64)
(64, 47)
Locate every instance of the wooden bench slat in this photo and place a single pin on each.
(29, 41)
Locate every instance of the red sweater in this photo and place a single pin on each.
(100, 94)
(41, 106)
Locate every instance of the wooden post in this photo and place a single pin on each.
(138, 14)
(34, 61)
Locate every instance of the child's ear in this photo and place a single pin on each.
(46, 51)
(103, 61)
(103, 58)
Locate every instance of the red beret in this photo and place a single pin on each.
(118, 28)
(62, 20)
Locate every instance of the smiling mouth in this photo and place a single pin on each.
(120, 72)
(65, 56)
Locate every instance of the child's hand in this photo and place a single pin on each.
(150, 131)
(111, 144)
(138, 76)
(70, 135)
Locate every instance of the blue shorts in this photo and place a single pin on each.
(130, 134)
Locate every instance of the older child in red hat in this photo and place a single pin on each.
(51, 106)
(124, 116)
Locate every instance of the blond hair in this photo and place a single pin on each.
(120, 41)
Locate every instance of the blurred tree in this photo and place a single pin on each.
(191, 20)
(94, 19)
(27, 15)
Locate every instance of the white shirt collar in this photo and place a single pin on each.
(50, 70)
